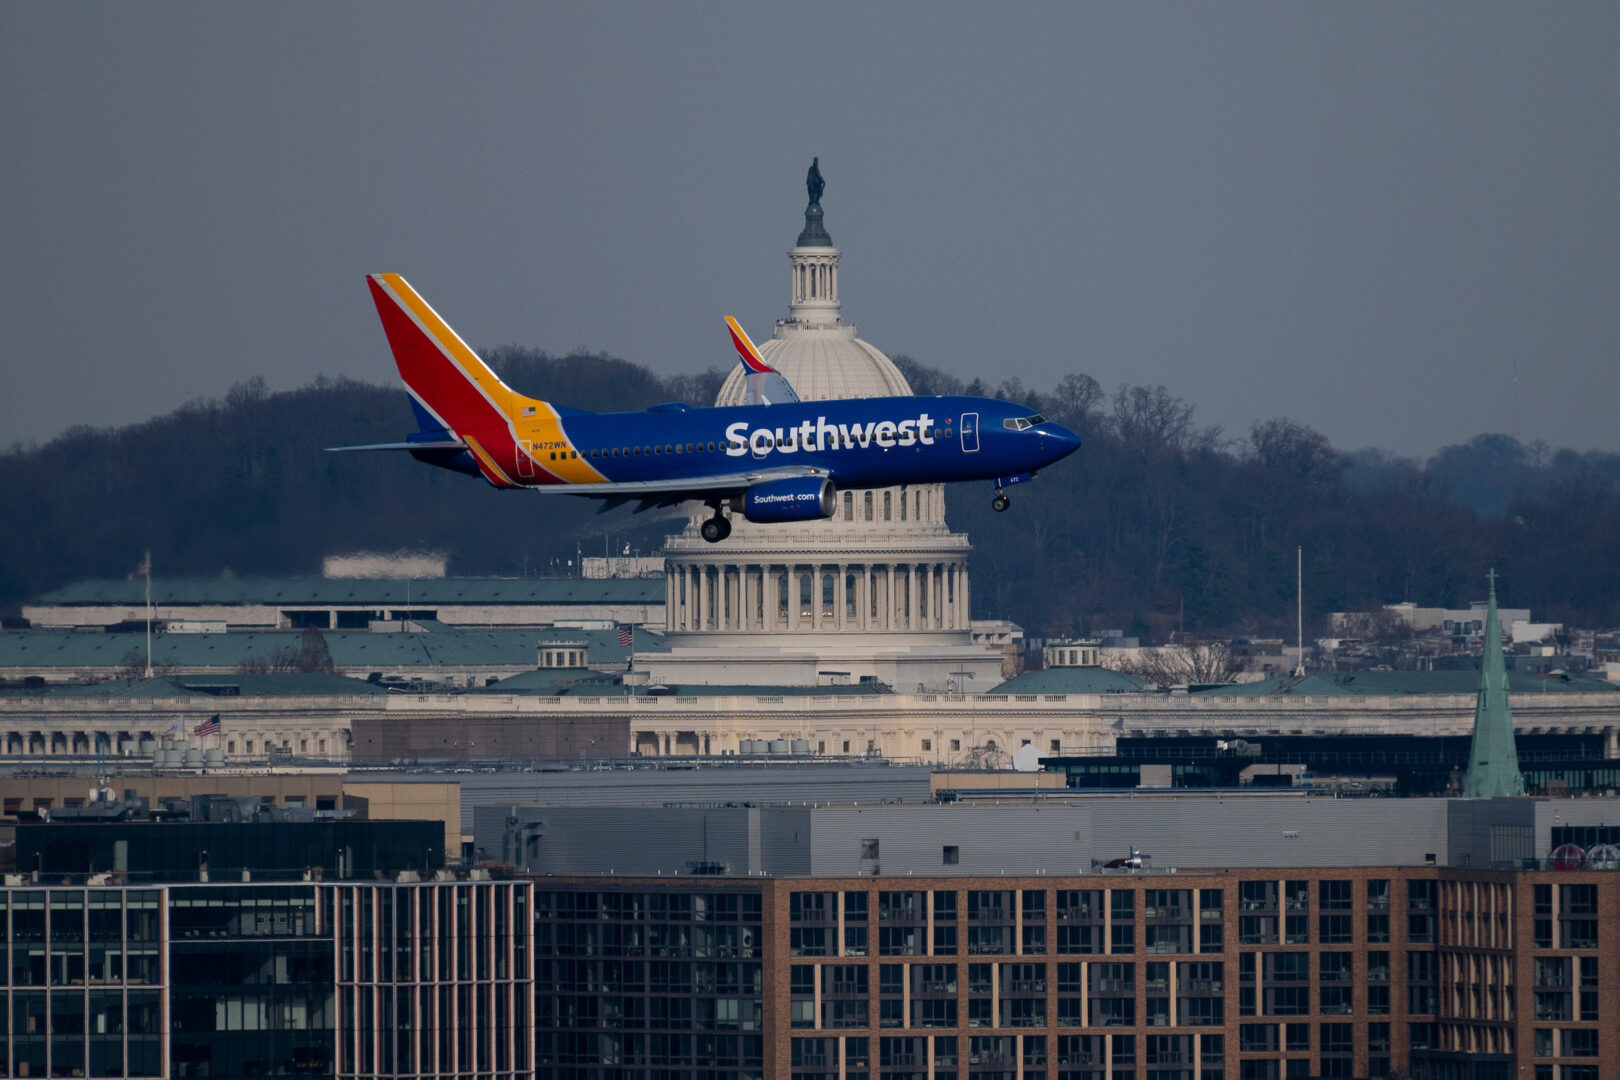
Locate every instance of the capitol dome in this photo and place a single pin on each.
(815, 350)
(878, 591)
(821, 364)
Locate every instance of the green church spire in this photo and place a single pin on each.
(1493, 761)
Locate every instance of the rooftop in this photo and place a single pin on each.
(1072, 680)
(1413, 682)
(351, 649)
(370, 591)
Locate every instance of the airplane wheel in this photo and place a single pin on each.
(1000, 502)
(716, 529)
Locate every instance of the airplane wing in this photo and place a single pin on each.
(430, 444)
(655, 493)
(766, 386)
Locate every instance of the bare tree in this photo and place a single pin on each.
(1181, 665)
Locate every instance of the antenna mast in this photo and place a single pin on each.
(147, 567)
(1299, 607)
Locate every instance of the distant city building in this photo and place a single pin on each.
(1464, 621)
(268, 948)
(395, 566)
(294, 603)
(1101, 939)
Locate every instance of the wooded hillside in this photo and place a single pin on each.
(1158, 523)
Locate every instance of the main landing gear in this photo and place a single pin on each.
(1000, 502)
(716, 528)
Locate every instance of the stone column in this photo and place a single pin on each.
(728, 597)
(816, 572)
(839, 594)
(750, 596)
(913, 601)
(675, 599)
(888, 597)
(791, 581)
(863, 597)
(772, 595)
(702, 596)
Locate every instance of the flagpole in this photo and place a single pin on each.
(148, 613)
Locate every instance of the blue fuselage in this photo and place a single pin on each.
(864, 442)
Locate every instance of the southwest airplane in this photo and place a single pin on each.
(776, 459)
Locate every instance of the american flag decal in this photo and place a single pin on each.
(528, 410)
(626, 636)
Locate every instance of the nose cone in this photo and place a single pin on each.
(1058, 441)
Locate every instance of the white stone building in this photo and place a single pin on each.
(879, 592)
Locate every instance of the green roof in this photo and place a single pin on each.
(1414, 682)
(618, 689)
(549, 681)
(427, 592)
(291, 684)
(349, 648)
(1072, 680)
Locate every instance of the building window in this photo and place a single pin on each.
(869, 849)
(927, 745)
(1057, 745)
(1580, 1042)
(956, 744)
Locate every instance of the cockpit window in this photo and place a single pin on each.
(1022, 423)
(1037, 418)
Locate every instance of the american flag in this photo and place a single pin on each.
(626, 636)
(209, 726)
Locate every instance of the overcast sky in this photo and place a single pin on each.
(1365, 217)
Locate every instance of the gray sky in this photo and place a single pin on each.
(1360, 216)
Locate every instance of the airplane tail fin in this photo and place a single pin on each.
(452, 390)
(766, 386)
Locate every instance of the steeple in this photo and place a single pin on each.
(1493, 760)
(814, 263)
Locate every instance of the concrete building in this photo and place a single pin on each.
(314, 949)
(924, 943)
(411, 652)
(293, 603)
(1057, 710)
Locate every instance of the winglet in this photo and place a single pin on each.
(766, 385)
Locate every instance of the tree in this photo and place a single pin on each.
(313, 653)
(1295, 450)
(1181, 665)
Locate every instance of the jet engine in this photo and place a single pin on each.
(802, 498)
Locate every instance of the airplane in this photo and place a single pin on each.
(776, 459)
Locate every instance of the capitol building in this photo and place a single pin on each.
(876, 593)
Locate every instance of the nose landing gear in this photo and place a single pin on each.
(1000, 502)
